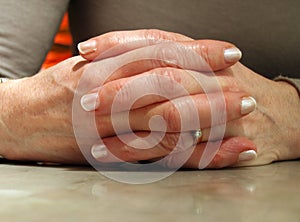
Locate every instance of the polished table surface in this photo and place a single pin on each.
(61, 193)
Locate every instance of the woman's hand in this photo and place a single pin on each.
(147, 107)
(275, 125)
(124, 147)
(216, 54)
(36, 115)
(36, 112)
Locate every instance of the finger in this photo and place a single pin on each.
(198, 55)
(190, 56)
(167, 141)
(115, 43)
(155, 86)
(181, 114)
(217, 54)
(232, 151)
(192, 112)
(141, 146)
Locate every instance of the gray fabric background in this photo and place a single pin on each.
(267, 31)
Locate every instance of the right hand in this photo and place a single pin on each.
(36, 123)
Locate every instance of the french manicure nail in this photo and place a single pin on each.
(87, 47)
(90, 102)
(247, 155)
(232, 55)
(99, 151)
(248, 105)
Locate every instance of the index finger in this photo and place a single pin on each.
(217, 54)
(96, 47)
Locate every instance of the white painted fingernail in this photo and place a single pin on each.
(247, 155)
(232, 55)
(87, 47)
(248, 105)
(90, 102)
(99, 151)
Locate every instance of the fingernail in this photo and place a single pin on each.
(87, 46)
(99, 151)
(248, 105)
(232, 55)
(247, 155)
(90, 102)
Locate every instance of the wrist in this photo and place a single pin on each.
(15, 98)
(293, 106)
(5, 137)
(295, 83)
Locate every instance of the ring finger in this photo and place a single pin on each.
(115, 150)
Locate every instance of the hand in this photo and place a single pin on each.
(277, 137)
(147, 107)
(217, 54)
(36, 112)
(274, 126)
(36, 123)
(139, 120)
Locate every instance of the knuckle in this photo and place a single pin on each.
(171, 55)
(114, 37)
(172, 118)
(171, 73)
(169, 142)
(154, 34)
(128, 154)
(177, 142)
(162, 53)
(216, 162)
(230, 84)
(204, 53)
(117, 86)
(123, 93)
(165, 82)
(218, 109)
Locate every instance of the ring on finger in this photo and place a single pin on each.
(197, 135)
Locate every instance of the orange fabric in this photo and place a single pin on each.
(61, 48)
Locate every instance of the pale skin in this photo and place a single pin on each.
(273, 127)
(36, 123)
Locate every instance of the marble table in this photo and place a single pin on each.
(29, 192)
